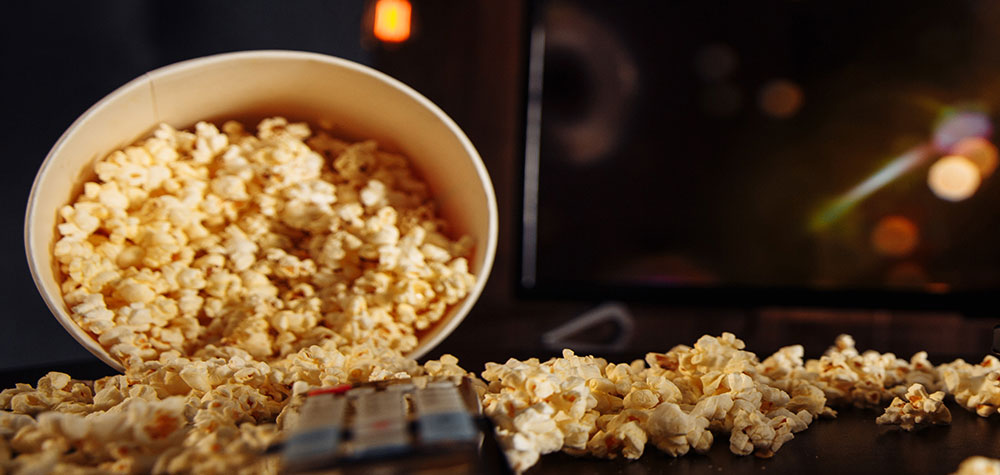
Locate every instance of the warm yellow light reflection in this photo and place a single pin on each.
(954, 178)
(895, 236)
(980, 151)
(392, 20)
(780, 98)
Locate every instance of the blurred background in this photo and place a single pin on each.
(783, 170)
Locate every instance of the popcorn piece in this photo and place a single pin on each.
(11, 423)
(675, 432)
(975, 387)
(640, 399)
(916, 410)
(847, 377)
(673, 400)
(978, 465)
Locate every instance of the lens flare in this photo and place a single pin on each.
(953, 178)
(960, 133)
(898, 166)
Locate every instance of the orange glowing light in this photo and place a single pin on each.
(392, 20)
(895, 236)
(954, 178)
(780, 99)
(980, 151)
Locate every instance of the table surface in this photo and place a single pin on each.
(851, 443)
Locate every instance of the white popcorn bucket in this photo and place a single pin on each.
(355, 101)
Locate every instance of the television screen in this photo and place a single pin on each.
(781, 151)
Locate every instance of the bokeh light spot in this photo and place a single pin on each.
(955, 126)
(392, 20)
(780, 98)
(953, 178)
(980, 151)
(895, 236)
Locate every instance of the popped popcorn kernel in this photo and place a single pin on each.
(978, 465)
(916, 409)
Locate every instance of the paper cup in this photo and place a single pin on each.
(354, 100)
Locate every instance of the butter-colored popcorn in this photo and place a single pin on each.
(724, 353)
(622, 433)
(978, 465)
(529, 434)
(974, 387)
(208, 227)
(230, 272)
(554, 396)
(12, 422)
(233, 404)
(152, 419)
(844, 344)
(848, 377)
(54, 390)
(916, 409)
(343, 306)
(986, 400)
(576, 431)
(783, 363)
(674, 400)
(676, 432)
(640, 399)
(919, 371)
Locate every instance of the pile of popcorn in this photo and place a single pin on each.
(177, 415)
(182, 414)
(673, 400)
(230, 272)
(681, 400)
